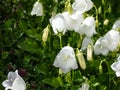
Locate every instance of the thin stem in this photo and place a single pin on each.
(60, 37)
(96, 10)
(108, 72)
(72, 76)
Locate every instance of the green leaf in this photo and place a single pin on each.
(68, 77)
(42, 68)
(30, 46)
(23, 25)
(55, 82)
(5, 55)
(33, 34)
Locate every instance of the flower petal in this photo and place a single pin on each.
(18, 85)
(7, 83)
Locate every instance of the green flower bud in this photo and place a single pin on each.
(100, 68)
(99, 10)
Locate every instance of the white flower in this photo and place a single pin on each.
(14, 82)
(82, 6)
(58, 24)
(111, 40)
(116, 67)
(99, 49)
(73, 20)
(87, 27)
(37, 9)
(85, 86)
(116, 25)
(86, 41)
(66, 59)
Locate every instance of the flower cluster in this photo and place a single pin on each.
(110, 42)
(73, 20)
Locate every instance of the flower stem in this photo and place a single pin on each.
(108, 72)
(60, 37)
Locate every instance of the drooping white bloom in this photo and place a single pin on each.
(111, 40)
(66, 60)
(116, 67)
(82, 6)
(14, 82)
(85, 86)
(86, 41)
(99, 49)
(87, 27)
(58, 24)
(73, 20)
(116, 25)
(37, 9)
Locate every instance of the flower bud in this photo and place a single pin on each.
(100, 69)
(45, 34)
(106, 22)
(99, 10)
(81, 60)
(89, 52)
(109, 9)
(85, 86)
(97, 23)
(60, 71)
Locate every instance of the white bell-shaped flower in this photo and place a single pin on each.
(37, 9)
(99, 49)
(66, 60)
(73, 20)
(14, 82)
(111, 40)
(58, 24)
(87, 27)
(86, 41)
(116, 25)
(116, 67)
(82, 6)
(85, 86)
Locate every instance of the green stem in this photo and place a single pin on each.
(96, 10)
(72, 76)
(60, 37)
(108, 72)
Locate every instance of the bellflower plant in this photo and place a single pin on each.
(14, 82)
(116, 67)
(82, 6)
(37, 9)
(71, 45)
(66, 60)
